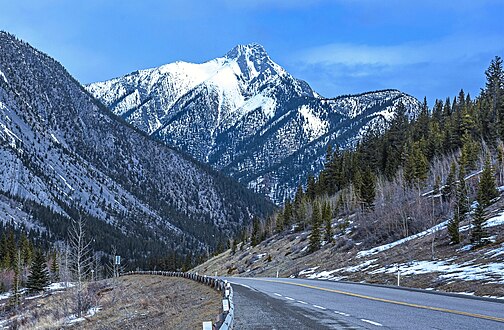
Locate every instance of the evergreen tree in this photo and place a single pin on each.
(449, 186)
(367, 190)
(478, 233)
(310, 188)
(469, 154)
(254, 239)
(39, 275)
(314, 244)
(487, 190)
(26, 249)
(462, 201)
(453, 229)
(54, 268)
(287, 214)
(326, 219)
(494, 93)
(16, 285)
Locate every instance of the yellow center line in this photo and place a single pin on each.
(439, 309)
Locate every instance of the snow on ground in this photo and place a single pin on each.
(496, 252)
(3, 76)
(308, 270)
(313, 126)
(498, 220)
(74, 319)
(467, 271)
(59, 286)
(328, 274)
(381, 248)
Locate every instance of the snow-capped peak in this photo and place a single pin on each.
(253, 50)
(244, 114)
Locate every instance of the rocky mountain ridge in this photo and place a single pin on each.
(247, 116)
(63, 156)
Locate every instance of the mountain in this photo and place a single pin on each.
(246, 116)
(63, 155)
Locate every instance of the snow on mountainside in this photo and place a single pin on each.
(63, 152)
(245, 115)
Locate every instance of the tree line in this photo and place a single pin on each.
(417, 172)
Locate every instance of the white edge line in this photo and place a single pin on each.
(372, 322)
(245, 285)
(341, 313)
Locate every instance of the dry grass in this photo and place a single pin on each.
(129, 302)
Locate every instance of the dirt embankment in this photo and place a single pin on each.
(129, 302)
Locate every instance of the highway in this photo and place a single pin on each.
(280, 303)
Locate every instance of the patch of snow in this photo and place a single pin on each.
(381, 248)
(449, 271)
(364, 265)
(324, 275)
(54, 138)
(308, 270)
(495, 221)
(3, 76)
(74, 319)
(313, 126)
(59, 286)
(467, 247)
(496, 252)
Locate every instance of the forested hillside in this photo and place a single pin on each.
(430, 187)
(64, 158)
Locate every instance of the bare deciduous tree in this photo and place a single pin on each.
(80, 260)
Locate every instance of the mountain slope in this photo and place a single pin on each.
(244, 114)
(62, 153)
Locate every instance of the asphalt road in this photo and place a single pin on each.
(270, 303)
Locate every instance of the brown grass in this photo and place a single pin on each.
(129, 302)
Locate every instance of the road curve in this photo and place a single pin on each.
(279, 303)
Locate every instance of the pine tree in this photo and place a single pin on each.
(326, 219)
(287, 214)
(26, 250)
(449, 186)
(487, 190)
(367, 190)
(16, 285)
(39, 275)
(453, 229)
(478, 233)
(310, 188)
(54, 268)
(254, 238)
(494, 93)
(314, 244)
(462, 201)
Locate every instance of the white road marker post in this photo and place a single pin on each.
(225, 305)
(398, 276)
(277, 272)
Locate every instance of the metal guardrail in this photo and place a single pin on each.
(225, 320)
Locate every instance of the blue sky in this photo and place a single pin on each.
(424, 48)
